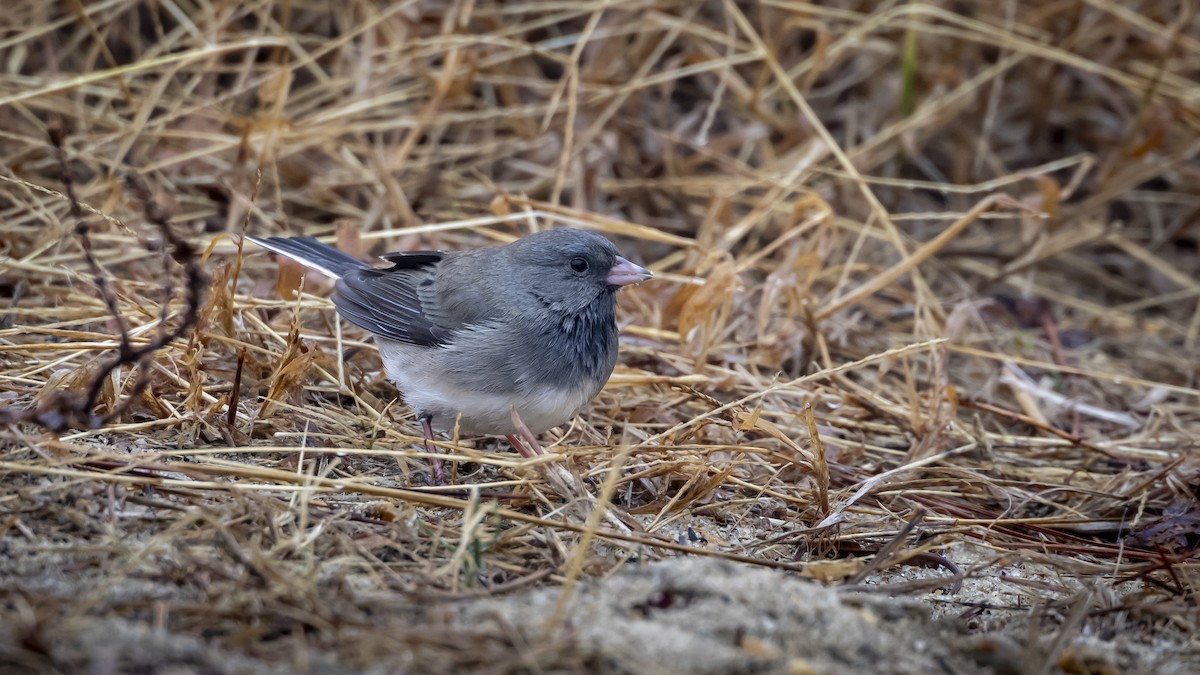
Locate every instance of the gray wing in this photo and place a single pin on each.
(388, 301)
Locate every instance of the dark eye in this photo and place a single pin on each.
(579, 265)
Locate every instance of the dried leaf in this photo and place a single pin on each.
(829, 571)
(289, 374)
(704, 311)
(349, 237)
(290, 278)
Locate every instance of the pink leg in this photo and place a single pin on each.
(434, 462)
(519, 446)
(531, 446)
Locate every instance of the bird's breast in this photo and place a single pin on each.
(580, 345)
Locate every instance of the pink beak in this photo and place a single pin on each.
(624, 273)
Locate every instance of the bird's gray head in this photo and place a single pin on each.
(569, 269)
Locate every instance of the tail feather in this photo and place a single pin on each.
(311, 253)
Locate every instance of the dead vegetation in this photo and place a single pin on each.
(926, 322)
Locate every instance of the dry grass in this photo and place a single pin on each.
(928, 293)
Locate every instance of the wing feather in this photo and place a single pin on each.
(388, 302)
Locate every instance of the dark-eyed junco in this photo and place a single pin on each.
(493, 339)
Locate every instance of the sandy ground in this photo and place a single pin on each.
(680, 615)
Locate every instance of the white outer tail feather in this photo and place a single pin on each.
(298, 256)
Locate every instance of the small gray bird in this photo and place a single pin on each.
(522, 335)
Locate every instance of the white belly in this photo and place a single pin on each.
(475, 411)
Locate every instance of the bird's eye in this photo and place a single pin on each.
(579, 265)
